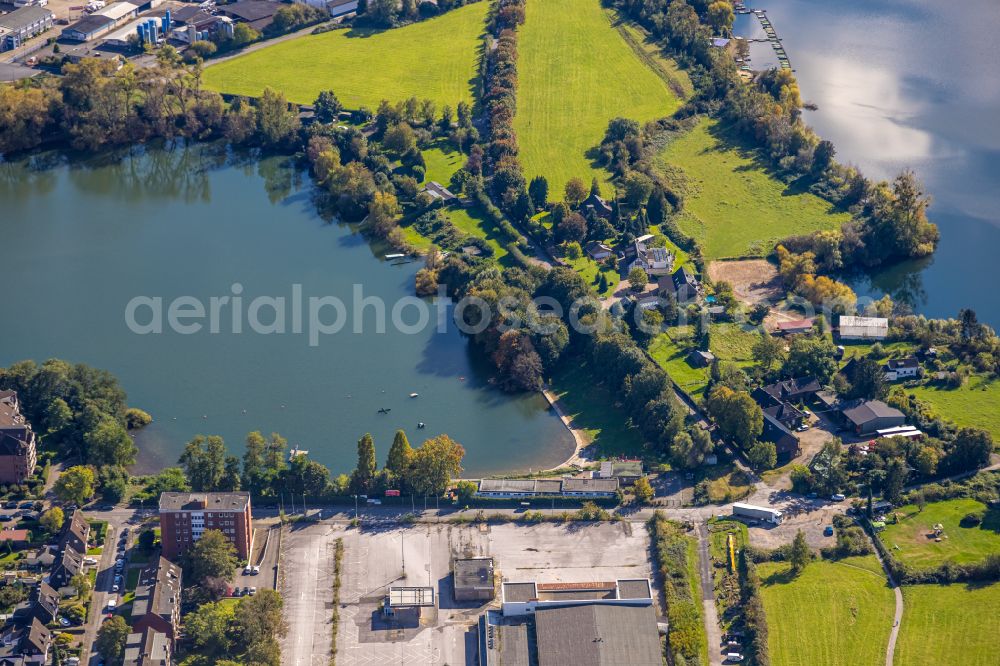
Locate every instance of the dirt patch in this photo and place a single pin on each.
(754, 280)
(812, 520)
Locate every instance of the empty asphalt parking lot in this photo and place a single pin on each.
(374, 560)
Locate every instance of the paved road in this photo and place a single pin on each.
(711, 615)
(307, 556)
(105, 578)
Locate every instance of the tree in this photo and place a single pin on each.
(827, 472)
(52, 520)
(572, 228)
(762, 455)
(811, 357)
(399, 138)
(231, 478)
(465, 490)
(895, 480)
(111, 637)
(690, 448)
(81, 583)
(136, 418)
(327, 106)
(575, 192)
(970, 450)
(258, 624)
(538, 190)
(400, 453)
(254, 472)
(638, 279)
(800, 554)
(434, 464)
(207, 630)
(203, 48)
(638, 188)
(867, 379)
(306, 477)
(767, 351)
(109, 444)
(204, 462)
(276, 122)
(737, 415)
(211, 556)
(364, 473)
(643, 490)
(75, 485)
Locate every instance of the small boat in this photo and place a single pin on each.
(414, 395)
(421, 424)
(383, 410)
(394, 256)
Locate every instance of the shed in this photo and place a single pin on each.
(473, 579)
(700, 359)
(863, 328)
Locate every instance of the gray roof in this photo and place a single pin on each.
(908, 362)
(590, 485)
(474, 573)
(519, 591)
(24, 17)
(597, 635)
(234, 501)
(91, 23)
(870, 410)
(149, 648)
(159, 591)
(513, 644)
(634, 588)
(507, 485)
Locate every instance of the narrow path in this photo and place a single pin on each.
(711, 615)
(890, 650)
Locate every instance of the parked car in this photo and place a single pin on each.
(255, 571)
(253, 591)
(838, 497)
(64, 622)
(247, 570)
(828, 530)
(236, 592)
(734, 657)
(115, 588)
(10, 505)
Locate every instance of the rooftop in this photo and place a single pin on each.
(158, 591)
(91, 23)
(234, 501)
(24, 17)
(869, 410)
(149, 648)
(597, 635)
(400, 597)
(476, 572)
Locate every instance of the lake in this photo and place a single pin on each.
(83, 237)
(910, 83)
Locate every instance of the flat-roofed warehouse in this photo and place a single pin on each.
(597, 635)
(473, 579)
(22, 24)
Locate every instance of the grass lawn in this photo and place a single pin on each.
(976, 403)
(730, 342)
(732, 205)
(434, 59)
(651, 52)
(726, 483)
(670, 350)
(577, 73)
(591, 407)
(833, 613)
(949, 625)
(909, 541)
(591, 272)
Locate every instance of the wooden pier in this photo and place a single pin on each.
(769, 31)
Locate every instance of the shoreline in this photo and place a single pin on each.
(579, 456)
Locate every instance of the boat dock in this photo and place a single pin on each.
(769, 31)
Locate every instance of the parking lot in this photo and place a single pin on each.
(810, 516)
(421, 555)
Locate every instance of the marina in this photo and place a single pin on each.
(771, 35)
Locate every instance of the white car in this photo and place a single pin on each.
(838, 497)
(247, 570)
(115, 588)
(255, 570)
(253, 591)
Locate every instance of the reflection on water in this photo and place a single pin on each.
(911, 83)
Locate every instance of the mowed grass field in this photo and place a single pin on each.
(832, 614)
(912, 538)
(575, 74)
(732, 205)
(949, 625)
(434, 59)
(976, 404)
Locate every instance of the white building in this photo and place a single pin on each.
(863, 328)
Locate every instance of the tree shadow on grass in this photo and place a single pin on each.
(780, 577)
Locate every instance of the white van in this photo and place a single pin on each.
(112, 604)
(734, 657)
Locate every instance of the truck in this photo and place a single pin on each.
(772, 516)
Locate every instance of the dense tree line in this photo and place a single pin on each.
(393, 13)
(686, 636)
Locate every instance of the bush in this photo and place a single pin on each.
(972, 519)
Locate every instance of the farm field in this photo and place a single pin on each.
(833, 613)
(591, 408)
(949, 625)
(909, 541)
(434, 59)
(732, 205)
(976, 404)
(577, 73)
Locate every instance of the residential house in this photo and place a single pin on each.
(68, 563)
(17, 539)
(786, 444)
(75, 532)
(682, 285)
(795, 327)
(22, 24)
(439, 192)
(700, 359)
(863, 328)
(24, 644)
(901, 368)
(157, 603)
(598, 251)
(148, 647)
(595, 203)
(656, 261)
(798, 390)
(43, 605)
(18, 445)
(184, 517)
(865, 417)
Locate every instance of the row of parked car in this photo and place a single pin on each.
(120, 561)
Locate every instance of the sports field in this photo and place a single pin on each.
(434, 59)
(732, 205)
(575, 74)
(912, 538)
(832, 614)
(949, 625)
